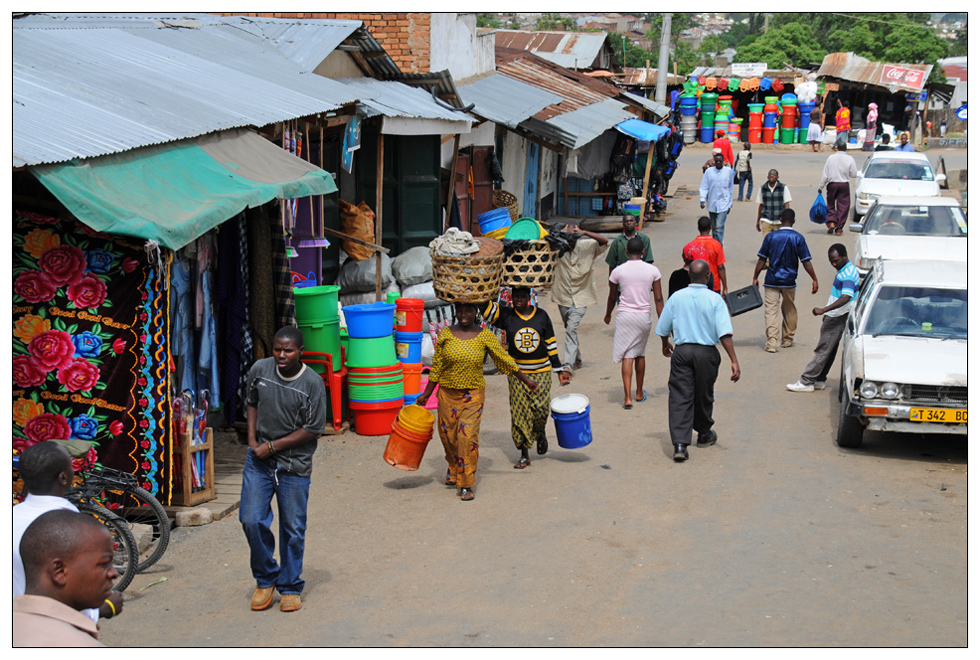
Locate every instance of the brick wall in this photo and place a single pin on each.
(405, 35)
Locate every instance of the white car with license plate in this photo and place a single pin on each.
(910, 228)
(895, 174)
(903, 364)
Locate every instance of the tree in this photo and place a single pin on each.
(958, 47)
(487, 20)
(678, 23)
(913, 45)
(687, 58)
(791, 43)
(554, 21)
(635, 56)
(860, 41)
(513, 24)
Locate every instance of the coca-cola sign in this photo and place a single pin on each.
(897, 75)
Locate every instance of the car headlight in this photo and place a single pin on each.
(866, 197)
(890, 391)
(869, 389)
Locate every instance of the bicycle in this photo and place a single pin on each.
(121, 493)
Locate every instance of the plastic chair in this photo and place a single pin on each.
(333, 381)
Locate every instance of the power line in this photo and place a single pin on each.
(878, 20)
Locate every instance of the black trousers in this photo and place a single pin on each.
(691, 387)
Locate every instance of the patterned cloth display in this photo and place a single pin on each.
(90, 349)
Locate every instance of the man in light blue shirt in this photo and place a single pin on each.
(698, 319)
(716, 194)
(904, 142)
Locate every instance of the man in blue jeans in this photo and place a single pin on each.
(716, 194)
(287, 412)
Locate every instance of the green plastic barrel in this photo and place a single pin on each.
(316, 304)
(322, 337)
(786, 136)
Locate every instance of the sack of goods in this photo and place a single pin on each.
(357, 221)
(464, 268)
(360, 276)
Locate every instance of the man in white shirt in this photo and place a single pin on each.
(837, 174)
(716, 194)
(575, 288)
(47, 473)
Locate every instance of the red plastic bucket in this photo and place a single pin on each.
(405, 448)
(767, 134)
(789, 116)
(755, 134)
(375, 417)
(408, 314)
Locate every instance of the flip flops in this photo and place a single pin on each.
(643, 398)
(627, 406)
(521, 464)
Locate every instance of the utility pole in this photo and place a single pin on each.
(661, 94)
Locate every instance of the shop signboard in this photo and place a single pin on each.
(352, 142)
(898, 75)
(748, 69)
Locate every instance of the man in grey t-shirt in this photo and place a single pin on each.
(287, 412)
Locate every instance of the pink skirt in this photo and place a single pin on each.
(632, 333)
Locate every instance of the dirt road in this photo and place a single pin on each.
(773, 537)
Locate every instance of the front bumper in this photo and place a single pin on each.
(897, 419)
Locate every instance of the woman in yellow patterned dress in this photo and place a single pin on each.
(457, 367)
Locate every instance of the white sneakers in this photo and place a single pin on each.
(800, 387)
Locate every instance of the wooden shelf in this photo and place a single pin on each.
(183, 491)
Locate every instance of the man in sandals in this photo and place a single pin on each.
(287, 412)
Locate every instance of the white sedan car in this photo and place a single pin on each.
(927, 228)
(903, 364)
(895, 174)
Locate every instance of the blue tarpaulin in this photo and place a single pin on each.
(642, 130)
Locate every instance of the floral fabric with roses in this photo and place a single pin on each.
(90, 348)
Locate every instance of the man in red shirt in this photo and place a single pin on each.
(723, 143)
(716, 255)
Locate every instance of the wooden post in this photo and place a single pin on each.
(452, 184)
(646, 180)
(379, 185)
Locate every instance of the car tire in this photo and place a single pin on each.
(850, 433)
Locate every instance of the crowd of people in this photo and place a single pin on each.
(63, 569)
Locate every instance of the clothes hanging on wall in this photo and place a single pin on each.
(231, 296)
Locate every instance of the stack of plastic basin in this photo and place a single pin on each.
(408, 344)
(375, 379)
(708, 100)
(769, 121)
(319, 320)
(805, 110)
(689, 117)
(721, 119)
(735, 129)
(755, 122)
(411, 431)
(493, 220)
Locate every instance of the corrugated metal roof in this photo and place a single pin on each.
(569, 49)
(854, 68)
(394, 99)
(506, 101)
(87, 85)
(588, 123)
(658, 109)
(577, 90)
(645, 77)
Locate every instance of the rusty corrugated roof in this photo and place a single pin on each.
(569, 49)
(645, 77)
(854, 68)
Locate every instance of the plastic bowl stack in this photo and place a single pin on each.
(375, 378)
(408, 344)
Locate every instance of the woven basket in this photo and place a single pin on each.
(534, 267)
(502, 198)
(474, 278)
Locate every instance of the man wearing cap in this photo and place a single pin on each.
(716, 193)
(723, 143)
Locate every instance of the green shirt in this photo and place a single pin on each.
(617, 250)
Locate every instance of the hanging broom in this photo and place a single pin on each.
(317, 241)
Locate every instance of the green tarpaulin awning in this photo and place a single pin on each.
(176, 192)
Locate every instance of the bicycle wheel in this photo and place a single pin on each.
(123, 544)
(146, 518)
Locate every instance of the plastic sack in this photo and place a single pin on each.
(357, 221)
(413, 266)
(423, 291)
(428, 350)
(359, 276)
(818, 212)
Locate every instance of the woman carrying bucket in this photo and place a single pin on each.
(457, 367)
(531, 343)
